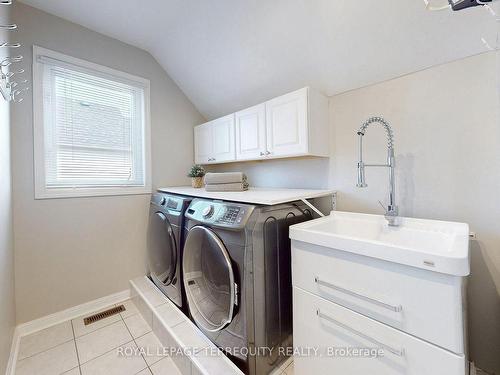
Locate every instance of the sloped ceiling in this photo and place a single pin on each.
(229, 54)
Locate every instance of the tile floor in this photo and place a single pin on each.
(286, 368)
(176, 331)
(71, 348)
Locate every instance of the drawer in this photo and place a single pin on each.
(337, 333)
(422, 303)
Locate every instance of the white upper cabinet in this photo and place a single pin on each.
(287, 125)
(251, 133)
(203, 146)
(214, 141)
(295, 124)
(223, 139)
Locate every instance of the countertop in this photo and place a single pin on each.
(255, 195)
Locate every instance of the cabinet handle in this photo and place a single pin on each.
(399, 352)
(397, 308)
(262, 154)
(268, 152)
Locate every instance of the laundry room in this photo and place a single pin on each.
(282, 187)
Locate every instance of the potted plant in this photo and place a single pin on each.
(196, 173)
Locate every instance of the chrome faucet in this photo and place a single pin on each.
(391, 211)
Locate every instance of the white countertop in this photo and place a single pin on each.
(255, 195)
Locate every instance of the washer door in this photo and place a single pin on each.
(162, 249)
(208, 279)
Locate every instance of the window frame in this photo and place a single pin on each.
(41, 190)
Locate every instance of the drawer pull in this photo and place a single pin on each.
(397, 308)
(398, 352)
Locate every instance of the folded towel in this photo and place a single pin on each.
(236, 186)
(225, 178)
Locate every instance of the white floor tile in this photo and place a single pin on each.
(170, 315)
(101, 341)
(113, 363)
(190, 337)
(151, 346)
(163, 334)
(143, 309)
(130, 308)
(290, 369)
(183, 363)
(137, 325)
(81, 329)
(143, 284)
(208, 362)
(75, 371)
(281, 369)
(155, 297)
(146, 371)
(165, 367)
(42, 340)
(53, 361)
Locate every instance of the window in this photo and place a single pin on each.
(91, 129)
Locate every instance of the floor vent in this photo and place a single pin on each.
(103, 314)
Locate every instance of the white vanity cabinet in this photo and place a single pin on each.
(214, 141)
(354, 286)
(294, 124)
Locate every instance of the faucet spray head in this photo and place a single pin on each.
(361, 166)
(361, 175)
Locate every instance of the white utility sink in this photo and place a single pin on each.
(433, 245)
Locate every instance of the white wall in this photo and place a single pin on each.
(7, 306)
(69, 251)
(447, 130)
(307, 173)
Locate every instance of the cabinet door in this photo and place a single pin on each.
(286, 122)
(251, 133)
(223, 139)
(203, 146)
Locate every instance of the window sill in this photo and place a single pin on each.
(90, 192)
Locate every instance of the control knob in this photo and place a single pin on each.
(208, 211)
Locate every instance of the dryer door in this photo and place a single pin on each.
(162, 249)
(208, 279)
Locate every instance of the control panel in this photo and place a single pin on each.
(223, 214)
(166, 201)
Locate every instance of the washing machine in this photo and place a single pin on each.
(237, 278)
(165, 243)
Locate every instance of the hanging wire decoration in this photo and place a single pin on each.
(11, 89)
(492, 42)
(455, 5)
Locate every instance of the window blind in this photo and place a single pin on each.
(93, 128)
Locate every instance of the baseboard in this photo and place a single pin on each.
(14, 350)
(71, 313)
(59, 317)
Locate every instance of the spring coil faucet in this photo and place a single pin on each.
(391, 211)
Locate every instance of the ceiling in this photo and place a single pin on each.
(230, 54)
